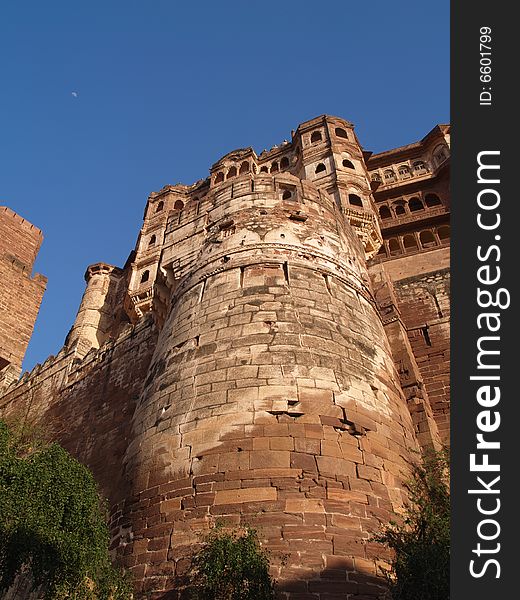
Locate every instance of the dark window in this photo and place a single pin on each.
(284, 163)
(347, 163)
(341, 133)
(151, 241)
(384, 212)
(160, 206)
(389, 175)
(316, 137)
(320, 168)
(393, 246)
(443, 232)
(432, 200)
(179, 205)
(355, 200)
(263, 169)
(409, 242)
(427, 239)
(145, 276)
(220, 177)
(419, 167)
(399, 210)
(287, 195)
(415, 204)
(231, 173)
(274, 167)
(244, 167)
(376, 177)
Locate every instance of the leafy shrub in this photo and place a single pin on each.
(421, 543)
(231, 566)
(52, 526)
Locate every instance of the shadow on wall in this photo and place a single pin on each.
(340, 581)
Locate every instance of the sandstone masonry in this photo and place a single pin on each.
(274, 351)
(20, 292)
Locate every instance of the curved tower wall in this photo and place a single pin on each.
(96, 312)
(272, 398)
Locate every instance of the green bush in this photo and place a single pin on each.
(420, 569)
(231, 566)
(52, 526)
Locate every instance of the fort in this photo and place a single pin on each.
(275, 351)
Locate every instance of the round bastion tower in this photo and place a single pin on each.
(272, 398)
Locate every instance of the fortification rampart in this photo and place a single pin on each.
(249, 365)
(20, 292)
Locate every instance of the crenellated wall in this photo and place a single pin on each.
(21, 292)
(87, 401)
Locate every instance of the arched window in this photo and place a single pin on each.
(145, 276)
(151, 241)
(384, 212)
(404, 171)
(179, 205)
(389, 175)
(316, 137)
(348, 164)
(341, 133)
(427, 239)
(394, 247)
(444, 233)
(287, 195)
(419, 167)
(409, 242)
(284, 163)
(432, 200)
(244, 167)
(160, 206)
(399, 209)
(264, 169)
(355, 200)
(231, 173)
(274, 167)
(220, 177)
(414, 204)
(320, 168)
(439, 154)
(375, 177)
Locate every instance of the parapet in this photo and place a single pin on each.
(20, 292)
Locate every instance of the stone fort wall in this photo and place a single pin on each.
(20, 292)
(249, 365)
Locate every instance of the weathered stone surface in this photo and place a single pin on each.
(20, 292)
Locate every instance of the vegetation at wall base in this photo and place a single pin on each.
(52, 524)
(231, 565)
(420, 569)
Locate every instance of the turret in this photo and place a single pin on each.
(334, 161)
(96, 314)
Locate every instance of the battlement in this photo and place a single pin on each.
(18, 237)
(20, 292)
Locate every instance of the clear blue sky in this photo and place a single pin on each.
(165, 88)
